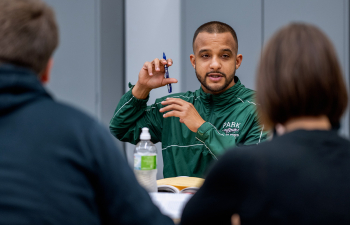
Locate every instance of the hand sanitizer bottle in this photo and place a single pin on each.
(145, 162)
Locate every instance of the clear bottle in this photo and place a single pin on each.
(145, 162)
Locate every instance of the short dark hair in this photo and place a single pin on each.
(216, 27)
(28, 33)
(299, 75)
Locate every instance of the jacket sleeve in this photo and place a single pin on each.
(120, 198)
(131, 115)
(255, 133)
(217, 142)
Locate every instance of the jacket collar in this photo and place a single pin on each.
(18, 86)
(225, 97)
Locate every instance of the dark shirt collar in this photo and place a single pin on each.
(18, 86)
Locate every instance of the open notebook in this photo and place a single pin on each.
(171, 204)
(180, 184)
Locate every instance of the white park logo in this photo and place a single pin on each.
(229, 130)
(231, 127)
(231, 124)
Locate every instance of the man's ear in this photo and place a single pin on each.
(239, 59)
(193, 60)
(45, 75)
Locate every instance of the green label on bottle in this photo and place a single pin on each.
(149, 162)
(142, 162)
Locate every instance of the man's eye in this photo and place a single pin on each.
(205, 56)
(225, 56)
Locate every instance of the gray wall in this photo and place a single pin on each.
(331, 16)
(255, 21)
(89, 62)
(76, 72)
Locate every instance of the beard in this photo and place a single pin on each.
(228, 80)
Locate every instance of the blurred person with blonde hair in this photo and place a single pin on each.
(301, 176)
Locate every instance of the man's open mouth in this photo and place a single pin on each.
(215, 75)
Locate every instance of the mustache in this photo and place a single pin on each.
(207, 74)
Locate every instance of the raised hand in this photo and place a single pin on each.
(184, 110)
(151, 76)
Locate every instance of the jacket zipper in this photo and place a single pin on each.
(211, 109)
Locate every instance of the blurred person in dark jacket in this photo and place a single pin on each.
(302, 175)
(57, 165)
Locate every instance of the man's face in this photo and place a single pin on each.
(215, 61)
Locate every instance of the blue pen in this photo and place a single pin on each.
(167, 74)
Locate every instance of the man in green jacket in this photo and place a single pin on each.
(194, 127)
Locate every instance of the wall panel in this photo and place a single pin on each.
(75, 70)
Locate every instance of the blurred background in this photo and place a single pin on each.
(104, 43)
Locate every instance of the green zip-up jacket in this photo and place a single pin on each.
(230, 120)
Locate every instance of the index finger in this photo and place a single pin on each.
(156, 64)
(170, 62)
(168, 101)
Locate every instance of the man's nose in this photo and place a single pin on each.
(215, 63)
